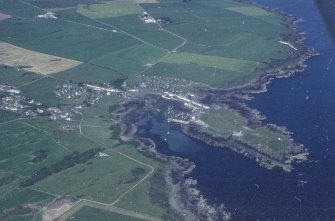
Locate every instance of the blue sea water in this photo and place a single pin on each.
(305, 104)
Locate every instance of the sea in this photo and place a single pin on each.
(305, 104)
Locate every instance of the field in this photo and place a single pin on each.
(95, 180)
(87, 213)
(226, 122)
(224, 63)
(109, 9)
(250, 11)
(13, 76)
(22, 148)
(219, 43)
(31, 61)
(226, 34)
(7, 116)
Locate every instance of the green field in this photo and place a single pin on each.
(225, 122)
(222, 34)
(90, 73)
(109, 9)
(16, 77)
(102, 179)
(7, 116)
(90, 213)
(250, 11)
(224, 63)
(43, 91)
(72, 140)
(150, 33)
(20, 145)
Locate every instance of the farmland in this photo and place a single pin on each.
(32, 61)
(106, 49)
(109, 9)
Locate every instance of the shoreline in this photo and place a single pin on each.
(185, 197)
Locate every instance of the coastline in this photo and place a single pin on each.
(184, 196)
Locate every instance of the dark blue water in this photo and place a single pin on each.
(305, 104)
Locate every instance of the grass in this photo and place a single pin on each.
(224, 63)
(72, 140)
(7, 116)
(60, 3)
(97, 124)
(19, 197)
(19, 144)
(195, 73)
(109, 9)
(131, 61)
(250, 11)
(43, 91)
(147, 32)
(16, 77)
(89, 213)
(64, 39)
(102, 179)
(90, 73)
(226, 122)
(220, 36)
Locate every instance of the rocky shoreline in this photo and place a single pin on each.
(184, 196)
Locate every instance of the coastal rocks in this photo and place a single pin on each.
(184, 197)
(266, 159)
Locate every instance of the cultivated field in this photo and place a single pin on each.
(32, 61)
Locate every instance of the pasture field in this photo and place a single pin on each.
(43, 91)
(31, 61)
(218, 32)
(109, 9)
(226, 122)
(224, 63)
(267, 139)
(90, 73)
(62, 38)
(150, 33)
(131, 61)
(16, 9)
(71, 140)
(151, 196)
(210, 75)
(90, 213)
(7, 116)
(25, 149)
(102, 179)
(16, 197)
(16, 77)
(250, 11)
(48, 4)
(96, 122)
